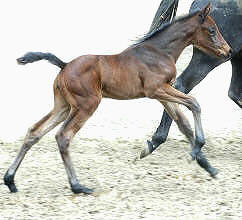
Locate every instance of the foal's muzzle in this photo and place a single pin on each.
(226, 52)
(230, 53)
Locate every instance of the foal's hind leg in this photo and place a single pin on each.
(38, 130)
(71, 126)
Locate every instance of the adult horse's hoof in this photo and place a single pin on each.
(148, 150)
(9, 182)
(77, 188)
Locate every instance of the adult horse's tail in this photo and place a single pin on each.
(36, 56)
(165, 13)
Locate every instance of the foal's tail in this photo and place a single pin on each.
(36, 56)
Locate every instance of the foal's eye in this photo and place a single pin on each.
(212, 31)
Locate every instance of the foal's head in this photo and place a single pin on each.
(208, 38)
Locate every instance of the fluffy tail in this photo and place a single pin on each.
(36, 56)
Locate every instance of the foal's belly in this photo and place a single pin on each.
(122, 86)
(120, 94)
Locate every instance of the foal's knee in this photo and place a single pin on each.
(194, 105)
(199, 141)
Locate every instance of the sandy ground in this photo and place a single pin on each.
(164, 185)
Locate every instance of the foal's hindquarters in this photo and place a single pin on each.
(74, 103)
(37, 131)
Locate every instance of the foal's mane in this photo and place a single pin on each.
(164, 26)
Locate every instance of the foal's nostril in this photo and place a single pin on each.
(229, 54)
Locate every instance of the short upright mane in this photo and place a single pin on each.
(163, 26)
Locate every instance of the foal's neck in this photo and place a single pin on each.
(175, 38)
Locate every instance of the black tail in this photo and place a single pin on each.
(35, 56)
(165, 13)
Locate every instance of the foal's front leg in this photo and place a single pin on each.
(183, 124)
(169, 94)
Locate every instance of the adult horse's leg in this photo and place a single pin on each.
(198, 68)
(235, 89)
(38, 130)
(71, 126)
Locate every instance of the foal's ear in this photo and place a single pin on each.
(204, 12)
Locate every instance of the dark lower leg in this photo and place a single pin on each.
(9, 175)
(162, 131)
(33, 136)
(159, 137)
(63, 144)
(199, 142)
(196, 71)
(185, 128)
(71, 126)
(203, 162)
(235, 89)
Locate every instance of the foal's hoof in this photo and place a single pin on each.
(203, 162)
(9, 182)
(213, 172)
(12, 188)
(148, 150)
(77, 188)
(195, 152)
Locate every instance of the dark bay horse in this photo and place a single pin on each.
(146, 69)
(228, 16)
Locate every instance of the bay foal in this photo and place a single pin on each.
(146, 69)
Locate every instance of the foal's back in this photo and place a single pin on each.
(120, 76)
